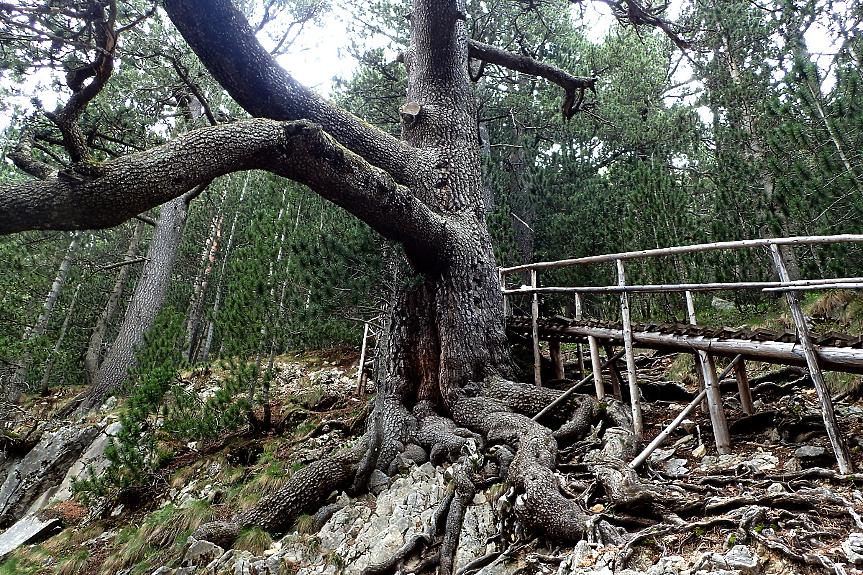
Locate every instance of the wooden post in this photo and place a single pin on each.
(563, 397)
(711, 385)
(642, 457)
(635, 399)
(833, 432)
(556, 359)
(699, 372)
(596, 364)
(361, 387)
(534, 317)
(717, 412)
(505, 297)
(579, 347)
(699, 366)
(743, 386)
(613, 374)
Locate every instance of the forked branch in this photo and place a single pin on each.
(574, 86)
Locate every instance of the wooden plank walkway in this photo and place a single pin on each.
(835, 351)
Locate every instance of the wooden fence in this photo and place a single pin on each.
(705, 361)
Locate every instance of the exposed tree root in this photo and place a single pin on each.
(491, 438)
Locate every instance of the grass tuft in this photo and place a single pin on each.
(254, 540)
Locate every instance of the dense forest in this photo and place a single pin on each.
(186, 203)
(744, 134)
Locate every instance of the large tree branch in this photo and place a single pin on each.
(574, 86)
(222, 38)
(105, 195)
(100, 70)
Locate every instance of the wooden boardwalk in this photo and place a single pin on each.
(835, 351)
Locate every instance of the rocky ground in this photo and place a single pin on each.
(774, 506)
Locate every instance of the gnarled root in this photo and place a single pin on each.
(541, 506)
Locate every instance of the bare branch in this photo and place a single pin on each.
(574, 86)
(22, 157)
(635, 13)
(146, 219)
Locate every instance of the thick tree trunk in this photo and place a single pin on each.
(94, 346)
(145, 305)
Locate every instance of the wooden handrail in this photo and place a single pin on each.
(676, 250)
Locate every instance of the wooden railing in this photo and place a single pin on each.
(705, 360)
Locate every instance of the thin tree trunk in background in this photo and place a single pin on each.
(813, 86)
(19, 378)
(211, 327)
(147, 301)
(91, 357)
(756, 153)
(50, 366)
(195, 309)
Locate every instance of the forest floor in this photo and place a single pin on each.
(778, 490)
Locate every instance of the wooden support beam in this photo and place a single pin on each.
(699, 373)
(711, 386)
(563, 397)
(743, 386)
(596, 364)
(839, 448)
(614, 373)
(717, 412)
(361, 371)
(663, 435)
(634, 395)
(534, 317)
(580, 348)
(556, 359)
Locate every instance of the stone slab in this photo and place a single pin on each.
(24, 531)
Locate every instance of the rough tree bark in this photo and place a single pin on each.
(94, 345)
(443, 360)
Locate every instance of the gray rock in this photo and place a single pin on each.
(710, 561)
(43, 468)
(853, 548)
(775, 488)
(810, 455)
(24, 531)
(163, 570)
(676, 467)
(201, 552)
(661, 455)
(741, 558)
(378, 481)
(671, 565)
(186, 570)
